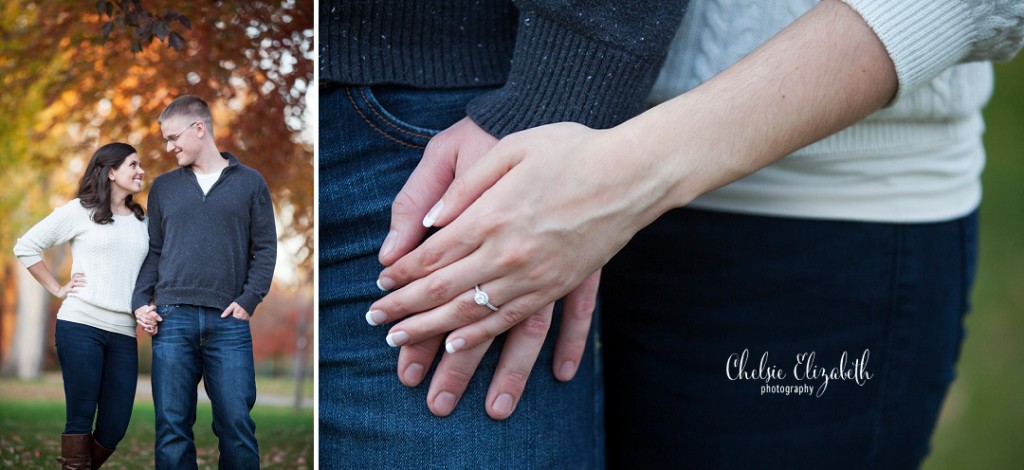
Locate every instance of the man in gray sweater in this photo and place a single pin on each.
(213, 247)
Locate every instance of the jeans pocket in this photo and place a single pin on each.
(411, 116)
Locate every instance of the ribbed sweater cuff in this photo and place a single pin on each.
(923, 37)
(559, 75)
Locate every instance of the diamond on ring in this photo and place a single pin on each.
(481, 298)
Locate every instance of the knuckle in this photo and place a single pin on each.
(439, 290)
(508, 318)
(514, 378)
(429, 258)
(457, 377)
(403, 205)
(536, 326)
(468, 312)
(582, 309)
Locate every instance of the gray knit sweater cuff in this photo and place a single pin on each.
(581, 80)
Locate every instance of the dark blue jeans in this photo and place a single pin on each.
(100, 371)
(724, 328)
(370, 141)
(195, 343)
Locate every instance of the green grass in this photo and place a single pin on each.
(983, 419)
(30, 436)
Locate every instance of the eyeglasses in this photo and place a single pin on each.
(174, 138)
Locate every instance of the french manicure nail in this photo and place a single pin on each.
(503, 404)
(454, 345)
(385, 284)
(389, 244)
(376, 317)
(397, 339)
(434, 213)
(444, 403)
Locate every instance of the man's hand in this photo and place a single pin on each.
(236, 311)
(148, 319)
(447, 154)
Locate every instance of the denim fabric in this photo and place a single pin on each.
(697, 287)
(370, 141)
(195, 343)
(100, 371)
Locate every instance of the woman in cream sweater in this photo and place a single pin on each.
(95, 334)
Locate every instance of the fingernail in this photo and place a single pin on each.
(389, 244)
(444, 403)
(454, 345)
(397, 339)
(385, 284)
(376, 317)
(413, 374)
(567, 370)
(434, 213)
(503, 404)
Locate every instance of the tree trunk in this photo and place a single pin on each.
(30, 330)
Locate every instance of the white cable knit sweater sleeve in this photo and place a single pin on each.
(926, 37)
(59, 227)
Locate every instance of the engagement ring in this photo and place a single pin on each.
(481, 298)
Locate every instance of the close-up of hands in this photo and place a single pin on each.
(148, 319)
(547, 207)
(567, 243)
(448, 155)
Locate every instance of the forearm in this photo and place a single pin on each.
(45, 278)
(822, 73)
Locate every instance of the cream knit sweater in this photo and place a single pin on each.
(108, 255)
(917, 160)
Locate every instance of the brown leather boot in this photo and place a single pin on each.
(75, 452)
(100, 454)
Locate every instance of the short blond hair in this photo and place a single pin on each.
(188, 106)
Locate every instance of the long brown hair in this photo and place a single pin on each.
(94, 189)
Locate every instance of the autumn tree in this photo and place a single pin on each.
(75, 75)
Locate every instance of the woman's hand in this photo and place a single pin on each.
(148, 319)
(545, 209)
(77, 280)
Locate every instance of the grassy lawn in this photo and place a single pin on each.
(30, 427)
(983, 419)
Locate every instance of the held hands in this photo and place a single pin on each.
(148, 319)
(554, 204)
(77, 280)
(449, 154)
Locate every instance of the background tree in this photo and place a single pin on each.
(76, 75)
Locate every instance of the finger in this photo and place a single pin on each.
(434, 290)
(414, 359)
(463, 311)
(424, 186)
(437, 252)
(467, 187)
(228, 311)
(522, 346)
(577, 315)
(509, 315)
(451, 377)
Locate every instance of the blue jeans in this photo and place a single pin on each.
(195, 343)
(696, 289)
(100, 371)
(371, 139)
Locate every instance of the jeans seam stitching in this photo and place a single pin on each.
(355, 105)
(362, 93)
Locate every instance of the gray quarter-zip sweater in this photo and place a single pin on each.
(209, 250)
